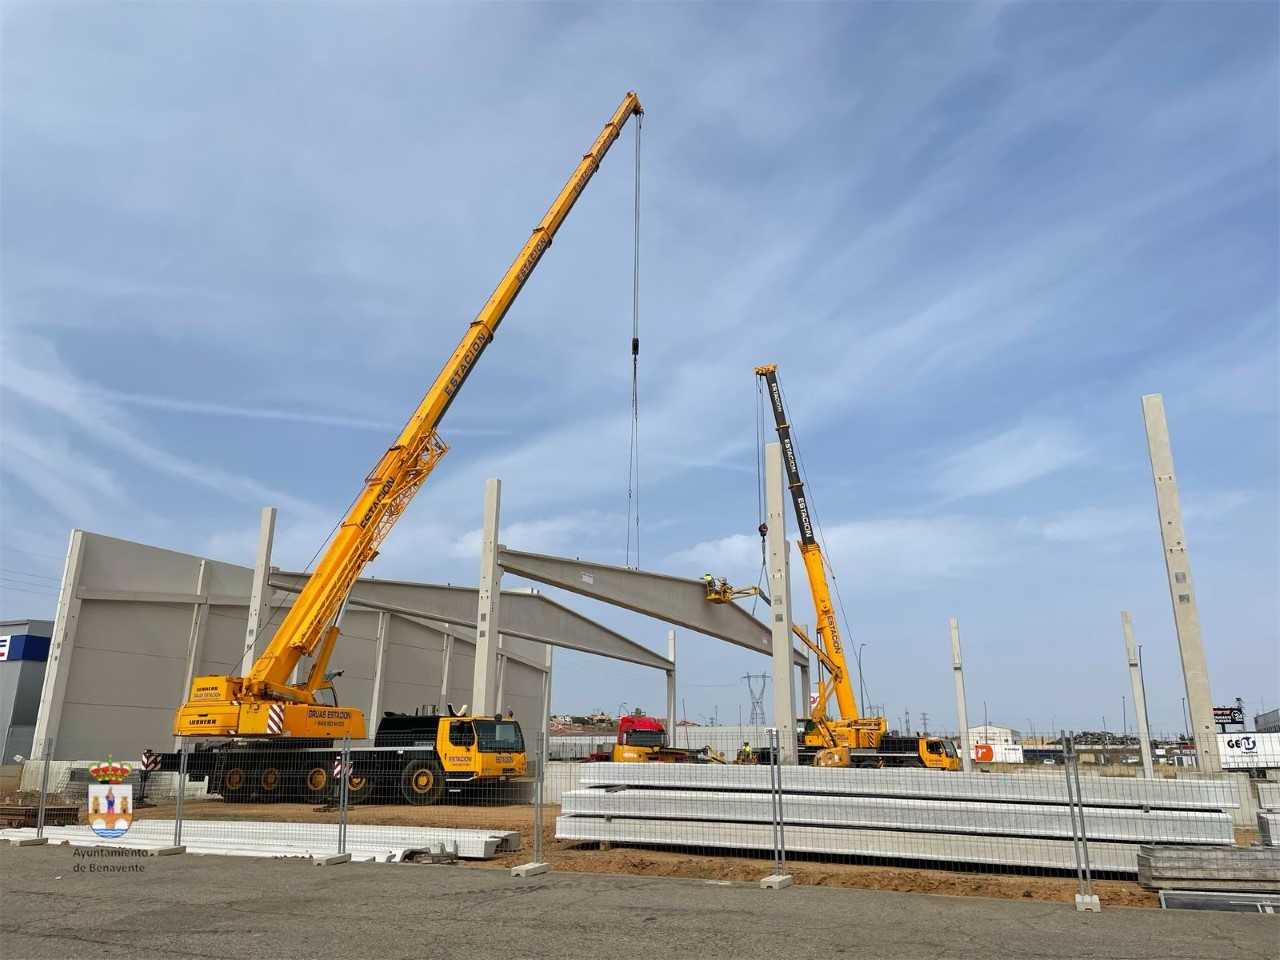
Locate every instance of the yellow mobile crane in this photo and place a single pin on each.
(265, 704)
(849, 739)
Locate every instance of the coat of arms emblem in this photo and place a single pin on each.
(110, 799)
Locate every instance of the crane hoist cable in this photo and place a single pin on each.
(763, 528)
(633, 452)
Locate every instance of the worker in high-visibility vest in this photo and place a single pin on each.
(744, 753)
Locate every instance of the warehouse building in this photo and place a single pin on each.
(24, 652)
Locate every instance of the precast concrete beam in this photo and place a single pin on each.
(1197, 794)
(843, 841)
(675, 600)
(527, 615)
(896, 813)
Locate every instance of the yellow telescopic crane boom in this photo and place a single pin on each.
(223, 705)
(814, 563)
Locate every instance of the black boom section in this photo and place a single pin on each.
(792, 466)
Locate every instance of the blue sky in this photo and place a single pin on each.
(239, 240)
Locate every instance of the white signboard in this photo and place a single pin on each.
(4, 647)
(1246, 751)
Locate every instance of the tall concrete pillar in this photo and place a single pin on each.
(379, 671)
(446, 655)
(1195, 671)
(53, 692)
(962, 708)
(500, 694)
(784, 702)
(484, 682)
(1139, 695)
(260, 595)
(195, 637)
(806, 692)
(671, 688)
(548, 653)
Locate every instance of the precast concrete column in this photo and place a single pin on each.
(784, 703)
(260, 595)
(53, 692)
(195, 637)
(379, 670)
(1139, 695)
(962, 710)
(1195, 671)
(806, 693)
(446, 654)
(500, 687)
(484, 681)
(671, 687)
(546, 694)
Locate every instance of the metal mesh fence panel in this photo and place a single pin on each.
(889, 820)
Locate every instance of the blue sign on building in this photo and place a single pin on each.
(23, 646)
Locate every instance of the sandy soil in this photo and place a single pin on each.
(588, 858)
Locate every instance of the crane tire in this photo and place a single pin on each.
(422, 781)
(237, 783)
(316, 783)
(359, 788)
(269, 783)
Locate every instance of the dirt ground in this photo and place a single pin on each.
(578, 857)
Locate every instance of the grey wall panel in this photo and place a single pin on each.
(411, 674)
(91, 731)
(111, 564)
(223, 639)
(125, 672)
(135, 628)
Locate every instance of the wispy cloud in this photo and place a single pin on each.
(1017, 456)
(213, 409)
(57, 391)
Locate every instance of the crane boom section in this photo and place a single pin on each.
(401, 470)
(811, 553)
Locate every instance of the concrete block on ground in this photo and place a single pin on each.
(168, 851)
(30, 841)
(776, 881)
(1087, 903)
(333, 859)
(529, 870)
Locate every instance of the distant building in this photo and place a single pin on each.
(1268, 722)
(993, 733)
(24, 652)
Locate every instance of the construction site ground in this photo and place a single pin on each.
(652, 862)
(241, 906)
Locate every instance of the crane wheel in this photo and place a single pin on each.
(268, 783)
(422, 782)
(359, 788)
(315, 783)
(236, 783)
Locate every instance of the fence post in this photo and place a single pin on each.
(342, 770)
(344, 796)
(779, 878)
(537, 865)
(180, 796)
(1086, 899)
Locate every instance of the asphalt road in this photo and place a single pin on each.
(222, 907)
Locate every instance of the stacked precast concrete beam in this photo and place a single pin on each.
(386, 844)
(1019, 820)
